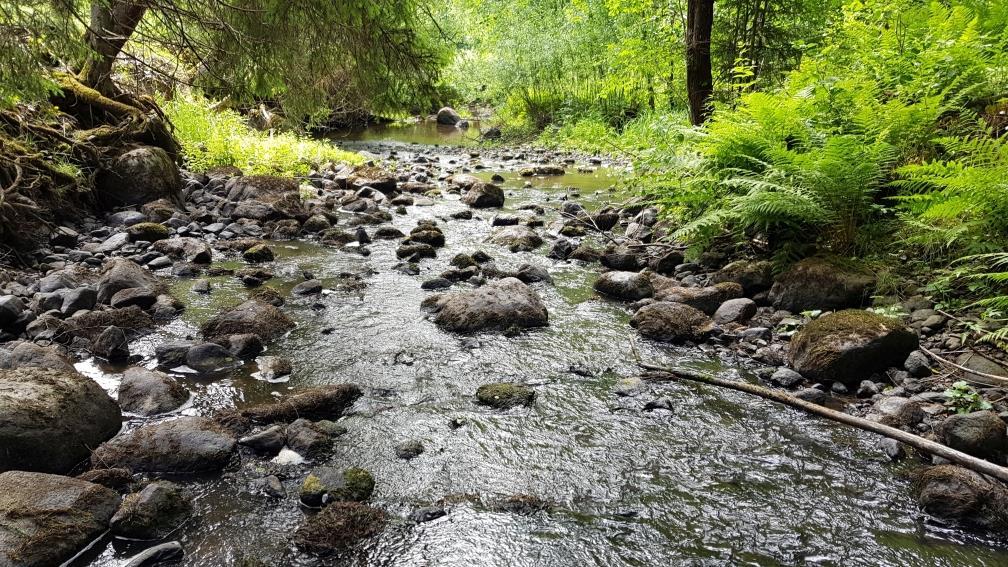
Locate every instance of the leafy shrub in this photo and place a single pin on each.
(964, 399)
(214, 138)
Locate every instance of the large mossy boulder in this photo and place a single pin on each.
(51, 418)
(500, 305)
(277, 196)
(251, 317)
(753, 275)
(46, 519)
(849, 346)
(671, 322)
(183, 445)
(818, 283)
(138, 176)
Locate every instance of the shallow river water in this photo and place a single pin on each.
(723, 479)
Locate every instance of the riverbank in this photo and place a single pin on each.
(421, 282)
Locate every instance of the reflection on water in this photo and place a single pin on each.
(426, 132)
(723, 479)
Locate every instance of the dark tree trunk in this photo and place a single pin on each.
(112, 24)
(699, 82)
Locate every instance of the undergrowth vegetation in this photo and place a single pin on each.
(884, 145)
(215, 138)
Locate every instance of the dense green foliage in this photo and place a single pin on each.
(222, 138)
(611, 61)
(309, 57)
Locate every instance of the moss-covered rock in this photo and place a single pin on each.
(820, 283)
(49, 419)
(671, 322)
(258, 253)
(45, 519)
(326, 485)
(980, 433)
(339, 527)
(183, 445)
(849, 346)
(252, 316)
(152, 513)
(149, 231)
(954, 493)
(323, 402)
(706, 299)
(504, 395)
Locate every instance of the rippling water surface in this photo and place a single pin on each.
(723, 479)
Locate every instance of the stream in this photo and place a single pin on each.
(721, 479)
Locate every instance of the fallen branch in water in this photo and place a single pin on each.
(915, 441)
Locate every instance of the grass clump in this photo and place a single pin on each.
(214, 138)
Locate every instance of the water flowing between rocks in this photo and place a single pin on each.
(721, 478)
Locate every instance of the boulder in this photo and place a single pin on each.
(671, 322)
(326, 485)
(209, 358)
(149, 231)
(897, 411)
(149, 392)
(322, 402)
(625, 286)
(738, 310)
(706, 299)
(152, 513)
(111, 344)
(448, 116)
(753, 275)
(497, 306)
(183, 445)
(137, 176)
(312, 439)
(273, 196)
(142, 297)
(817, 283)
(50, 419)
(373, 177)
(186, 248)
(623, 258)
(484, 195)
(849, 346)
(981, 434)
(28, 354)
(253, 316)
(504, 395)
(74, 300)
(517, 238)
(46, 519)
(11, 308)
(267, 442)
(258, 253)
(955, 493)
(122, 274)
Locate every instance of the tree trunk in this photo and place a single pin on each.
(699, 83)
(112, 24)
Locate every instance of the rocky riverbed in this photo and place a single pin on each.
(432, 359)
